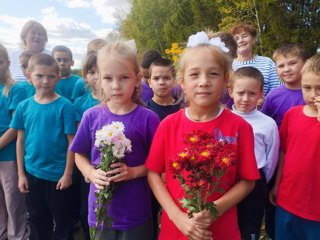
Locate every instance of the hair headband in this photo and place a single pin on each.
(202, 38)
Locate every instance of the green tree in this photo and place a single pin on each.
(157, 24)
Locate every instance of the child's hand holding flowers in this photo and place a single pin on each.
(112, 144)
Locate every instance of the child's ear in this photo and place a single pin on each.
(28, 75)
(72, 62)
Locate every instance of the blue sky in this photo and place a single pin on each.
(69, 22)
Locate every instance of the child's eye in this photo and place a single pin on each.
(193, 74)
(214, 74)
(155, 78)
(280, 66)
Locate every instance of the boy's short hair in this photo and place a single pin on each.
(244, 27)
(228, 39)
(249, 72)
(312, 65)
(94, 45)
(148, 57)
(42, 59)
(163, 62)
(295, 49)
(62, 48)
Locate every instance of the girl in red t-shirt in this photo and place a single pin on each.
(204, 72)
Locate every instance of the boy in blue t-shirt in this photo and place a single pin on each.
(46, 126)
(66, 85)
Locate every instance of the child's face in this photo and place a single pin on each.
(65, 63)
(310, 88)
(244, 41)
(4, 65)
(288, 69)
(161, 81)
(43, 78)
(118, 79)
(203, 79)
(92, 77)
(23, 65)
(145, 73)
(246, 93)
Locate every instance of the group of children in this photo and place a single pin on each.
(55, 127)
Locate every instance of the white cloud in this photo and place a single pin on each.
(76, 3)
(10, 28)
(106, 9)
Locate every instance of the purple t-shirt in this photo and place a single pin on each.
(130, 204)
(146, 92)
(280, 100)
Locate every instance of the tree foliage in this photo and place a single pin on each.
(156, 24)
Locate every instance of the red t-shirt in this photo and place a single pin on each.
(168, 142)
(299, 188)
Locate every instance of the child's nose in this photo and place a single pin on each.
(203, 80)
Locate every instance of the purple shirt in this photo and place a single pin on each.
(130, 205)
(280, 100)
(146, 92)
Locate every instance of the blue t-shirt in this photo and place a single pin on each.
(65, 86)
(80, 89)
(83, 103)
(28, 87)
(7, 105)
(45, 127)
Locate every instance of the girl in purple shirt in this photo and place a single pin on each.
(130, 207)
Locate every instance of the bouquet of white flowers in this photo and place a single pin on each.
(113, 144)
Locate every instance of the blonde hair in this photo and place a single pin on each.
(312, 65)
(120, 50)
(222, 59)
(8, 81)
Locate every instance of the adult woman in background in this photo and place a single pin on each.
(34, 38)
(245, 36)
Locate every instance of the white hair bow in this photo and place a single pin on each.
(202, 38)
(132, 44)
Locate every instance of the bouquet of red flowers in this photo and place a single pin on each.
(199, 168)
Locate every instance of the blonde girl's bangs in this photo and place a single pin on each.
(8, 81)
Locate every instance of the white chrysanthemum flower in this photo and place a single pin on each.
(118, 125)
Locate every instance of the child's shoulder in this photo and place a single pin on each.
(266, 120)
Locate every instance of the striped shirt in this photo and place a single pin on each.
(266, 66)
(15, 69)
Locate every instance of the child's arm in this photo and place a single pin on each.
(273, 193)
(272, 152)
(66, 179)
(124, 173)
(317, 103)
(8, 137)
(186, 225)
(23, 181)
(234, 195)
